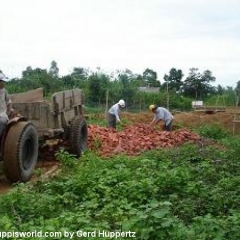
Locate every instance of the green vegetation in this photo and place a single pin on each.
(188, 192)
(212, 131)
(172, 90)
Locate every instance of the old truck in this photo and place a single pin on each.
(38, 120)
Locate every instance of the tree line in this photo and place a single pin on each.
(174, 91)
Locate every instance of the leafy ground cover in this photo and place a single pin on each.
(187, 192)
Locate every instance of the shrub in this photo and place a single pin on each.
(212, 131)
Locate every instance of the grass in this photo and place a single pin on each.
(188, 192)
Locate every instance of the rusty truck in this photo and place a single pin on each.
(61, 116)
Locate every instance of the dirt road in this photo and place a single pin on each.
(44, 169)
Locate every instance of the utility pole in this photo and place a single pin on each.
(167, 96)
(107, 96)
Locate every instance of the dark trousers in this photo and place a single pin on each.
(112, 121)
(168, 127)
(3, 122)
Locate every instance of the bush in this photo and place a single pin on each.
(212, 131)
(187, 192)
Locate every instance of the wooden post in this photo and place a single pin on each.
(235, 121)
(167, 96)
(107, 96)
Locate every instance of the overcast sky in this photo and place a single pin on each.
(119, 34)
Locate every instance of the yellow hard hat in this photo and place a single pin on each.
(151, 107)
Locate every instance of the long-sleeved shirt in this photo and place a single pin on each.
(164, 115)
(4, 101)
(114, 110)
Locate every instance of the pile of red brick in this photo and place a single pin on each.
(135, 139)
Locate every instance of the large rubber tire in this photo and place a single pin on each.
(20, 152)
(78, 135)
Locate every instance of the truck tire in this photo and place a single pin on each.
(78, 135)
(20, 152)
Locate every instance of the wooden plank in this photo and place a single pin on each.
(44, 116)
(29, 110)
(35, 95)
(21, 108)
(35, 110)
(77, 96)
(65, 100)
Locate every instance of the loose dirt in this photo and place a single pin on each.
(186, 119)
(135, 139)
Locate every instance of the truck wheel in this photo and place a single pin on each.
(20, 152)
(78, 135)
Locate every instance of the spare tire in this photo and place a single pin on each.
(20, 152)
(78, 135)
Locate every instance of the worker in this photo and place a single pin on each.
(161, 114)
(5, 104)
(113, 114)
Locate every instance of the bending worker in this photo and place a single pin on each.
(5, 104)
(113, 114)
(161, 113)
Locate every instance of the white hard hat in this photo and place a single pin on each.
(121, 103)
(3, 77)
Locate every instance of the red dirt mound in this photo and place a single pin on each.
(135, 139)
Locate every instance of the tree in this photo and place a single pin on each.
(79, 77)
(220, 89)
(54, 70)
(98, 85)
(68, 81)
(150, 78)
(35, 78)
(198, 85)
(129, 84)
(80, 73)
(174, 79)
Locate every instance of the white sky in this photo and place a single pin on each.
(119, 34)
